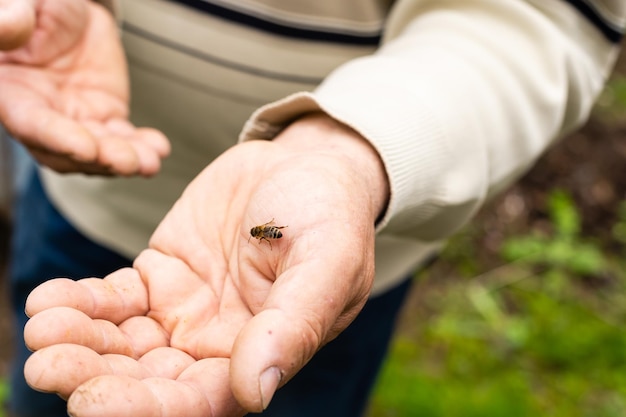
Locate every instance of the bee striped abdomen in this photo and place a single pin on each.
(273, 233)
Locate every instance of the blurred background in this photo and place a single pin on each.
(524, 314)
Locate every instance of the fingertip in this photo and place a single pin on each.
(61, 368)
(17, 21)
(149, 160)
(58, 292)
(48, 327)
(270, 349)
(153, 138)
(119, 155)
(157, 141)
(151, 146)
(110, 395)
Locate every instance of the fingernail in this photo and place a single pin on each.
(268, 383)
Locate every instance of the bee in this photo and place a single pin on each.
(266, 232)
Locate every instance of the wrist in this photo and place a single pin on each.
(318, 133)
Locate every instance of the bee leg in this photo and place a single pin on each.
(267, 240)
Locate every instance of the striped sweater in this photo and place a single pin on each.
(459, 97)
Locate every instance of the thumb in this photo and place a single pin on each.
(17, 21)
(279, 340)
(270, 349)
(308, 305)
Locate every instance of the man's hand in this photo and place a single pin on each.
(208, 323)
(64, 86)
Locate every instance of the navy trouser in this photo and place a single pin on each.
(337, 381)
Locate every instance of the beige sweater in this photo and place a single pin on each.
(459, 97)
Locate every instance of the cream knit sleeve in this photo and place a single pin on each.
(460, 100)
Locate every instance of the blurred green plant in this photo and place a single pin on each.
(619, 229)
(565, 249)
(611, 104)
(4, 394)
(530, 338)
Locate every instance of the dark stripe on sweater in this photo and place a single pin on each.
(610, 31)
(283, 28)
(235, 66)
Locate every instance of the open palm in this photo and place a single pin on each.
(65, 94)
(207, 323)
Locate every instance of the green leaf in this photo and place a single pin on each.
(564, 214)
